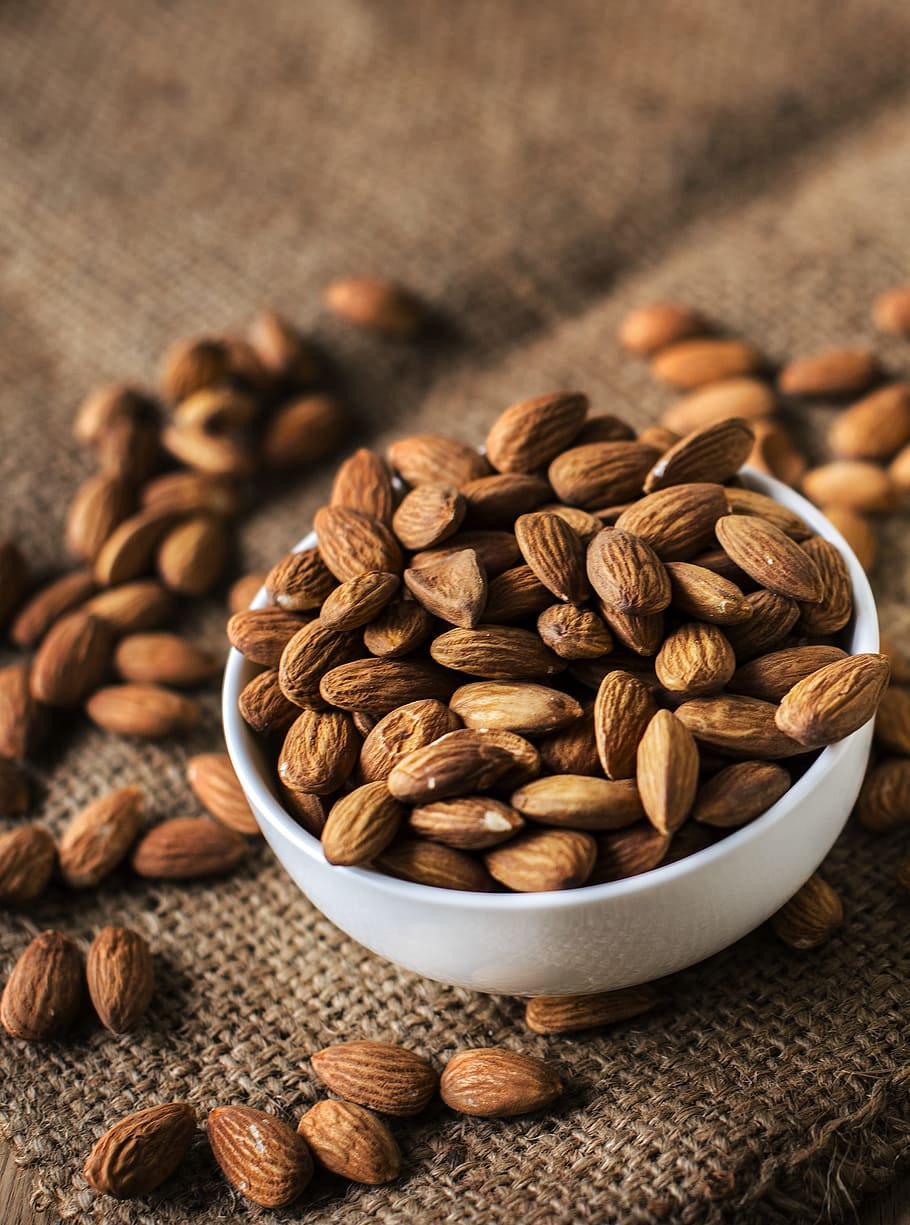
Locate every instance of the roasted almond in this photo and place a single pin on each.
(99, 505)
(497, 501)
(519, 706)
(711, 453)
(884, 800)
(43, 994)
(99, 837)
(574, 632)
(458, 763)
(358, 601)
(141, 1151)
(22, 718)
(875, 427)
(431, 457)
(667, 771)
(496, 652)
(750, 502)
(363, 483)
(707, 596)
(261, 1156)
(401, 627)
(736, 397)
(692, 363)
(72, 660)
(626, 573)
(832, 372)
(379, 1075)
(514, 595)
(771, 676)
(261, 634)
(738, 726)
(376, 304)
(192, 556)
(555, 553)
(568, 1014)
(773, 616)
(739, 793)
(142, 605)
(299, 581)
(811, 916)
(361, 824)
(48, 604)
(601, 473)
(400, 732)
(376, 686)
(495, 1083)
(528, 435)
(217, 788)
(165, 659)
(835, 700)
(453, 588)
(770, 557)
(577, 801)
(121, 978)
(543, 860)
(641, 633)
(149, 711)
(650, 328)
(27, 858)
(184, 848)
(468, 823)
(351, 543)
(677, 522)
(319, 751)
(303, 431)
(439, 867)
(695, 659)
(264, 707)
(628, 852)
(351, 1142)
(427, 515)
(854, 483)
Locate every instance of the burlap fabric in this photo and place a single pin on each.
(534, 171)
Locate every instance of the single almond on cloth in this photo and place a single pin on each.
(876, 427)
(707, 596)
(22, 718)
(770, 557)
(430, 863)
(39, 613)
(892, 721)
(667, 773)
(147, 711)
(492, 1082)
(555, 553)
(72, 660)
(695, 362)
(376, 304)
(400, 732)
(832, 372)
(361, 824)
(142, 605)
(739, 726)
(43, 994)
(573, 632)
(453, 588)
(579, 801)
(358, 601)
(351, 1142)
(319, 751)
(309, 654)
(100, 504)
(695, 659)
(542, 860)
(601, 473)
(568, 1014)
(711, 453)
(193, 555)
(497, 501)
(351, 542)
(622, 711)
(163, 659)
(99, 837)
(373, 687)
(303, 431)
(771, 676)
(528, 435)
(217, 788)
(363, 482)
(514, 706)
(737, 794)
(121, 978)
(261, 634)
(854, 483)
(427, 515)
(458, 763)
(262, 1157)
(300, 581)
(421, 458)
(750, 502)
(834, 701)
(27, 858)
(677, 522)
(467, 823)
(628, 852)
(184, 848)
(626, 573)
(811, 916)
(740, 396)
(657, 325)
(884, 799)
(141, 1151)
(401, 627)
(514, 595)
(773, 617)
(379, 1075)
(496, 652)
(264, 707)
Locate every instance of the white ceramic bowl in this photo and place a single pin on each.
(599, 937)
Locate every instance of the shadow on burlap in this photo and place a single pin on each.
(168, 169)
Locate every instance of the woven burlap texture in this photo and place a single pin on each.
(535, 172)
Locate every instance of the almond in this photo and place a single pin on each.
(514, 595)
(676, 522)
(858, 533)
(376, 686)
(43, 994)
(27, 858)
(884, 800)
(142, 605)
(165, 659)
(99, 505)
(543, 860)
(130, 451)
(261, 1156)
(216, 410)
(199, 361)
(688, 841)
(363, 483)
(264, 707)
(707, 596)
(358, 601)
(319, 751)
(468, 823)
(628, 852)
(284, 351)
(400, 732)
(378, 1075)
(191, 493)
(212, 454)
(72, 660)
(453, 588)
(773, 616)
(141, 1151)
(711, 453)
(811, 916)
(99, 837)
(129, 550)
(261, 634)
(667, 771)
(217, 788)
(376, 304)
(351, 1142)
(497, 501)
(107, 405)
(573, 749)
(650, 328)
(775, 453)
(854, 483)
(900, 663)
(440, 867)
(692, 363)
(303, 431)
(39, 613)
(574, 632)
(832, 373)
(567, 1014)
(695, 659)
(401, 627)
(458, 763)
(770, 557)
(351, 543)
(496, 551)
(13, 788)
(514, 706)
(582, 522)
(192, 556)
(496, 652)
(555, 553)
(627, 574)
(738, 726)
(528, 435)
(525, 759)
(431, 457)
(22, 718)
(496, 1083)
(184, 848)
(149, 711)
(875, 427)
(642, 634)
(749, 502)
(309, 810)
(427, 515)
(121, 978)
(834, 610)
(771, 676)
(739, 793)
(658, 437)
(299, 581)
(601, 473)
(577, 801)
(736, 397)
(892, 310)
(361, 824)
(834, 701)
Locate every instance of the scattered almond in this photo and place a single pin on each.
(141, 1151)
(492, 1082)
(121, 978)
(261, 1156)
(184, 848)
(99, 837)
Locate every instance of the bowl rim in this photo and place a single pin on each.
(240, 739)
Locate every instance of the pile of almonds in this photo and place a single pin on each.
(530, 668)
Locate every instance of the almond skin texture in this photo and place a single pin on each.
(667, 771)
(739, 793)
(351, 543)
(363, 483)
(694, 660)
(376, 686)
(496, 653)
(628, 852)
(712, 453)
(775, 453)
(568, 1014)
(832, 612)
(43, 994)
(261, 634)
(811, 916)
(431, 457)
(217, 788)
(543, 860)
(351, 1142)
(643, 635)
(771, 676)
(519, 706)
(555, 553)
(514, 595)
(497, 501)
(601, 473)
(361, 824)
(440, 867)
(707, 596)
(884, 801)
(736, 397)
(528, 435)
(377, 305)
(100, 836)
(47, 605)
(573, 632)
(262, 1157)
(627, 574)
(773, 616)
(143, 605)
(738, 726)
(141, 1151)
(308, 656)
(677, 522)
(649, 328)
(400, 732)
(875, 427)
(458, 763)
(185, 848)
(164, 659)
(319, 751)
(299, 581)
(834, 373)
(770, 557)
(22, 719)
(148, 711)
(855, 484)
(358, 601)
(495, 1083)
(27, 858)
(496, 551)
(401, 627)
(378, 1075)
(71, 661)
(121, 978)
(622, 711)
(264, 707)
(453, 588)
(428, 515)
(471, 823)
(748, 502)
(572, 750)
(579, 802)
(835, 700)
(693, 363)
